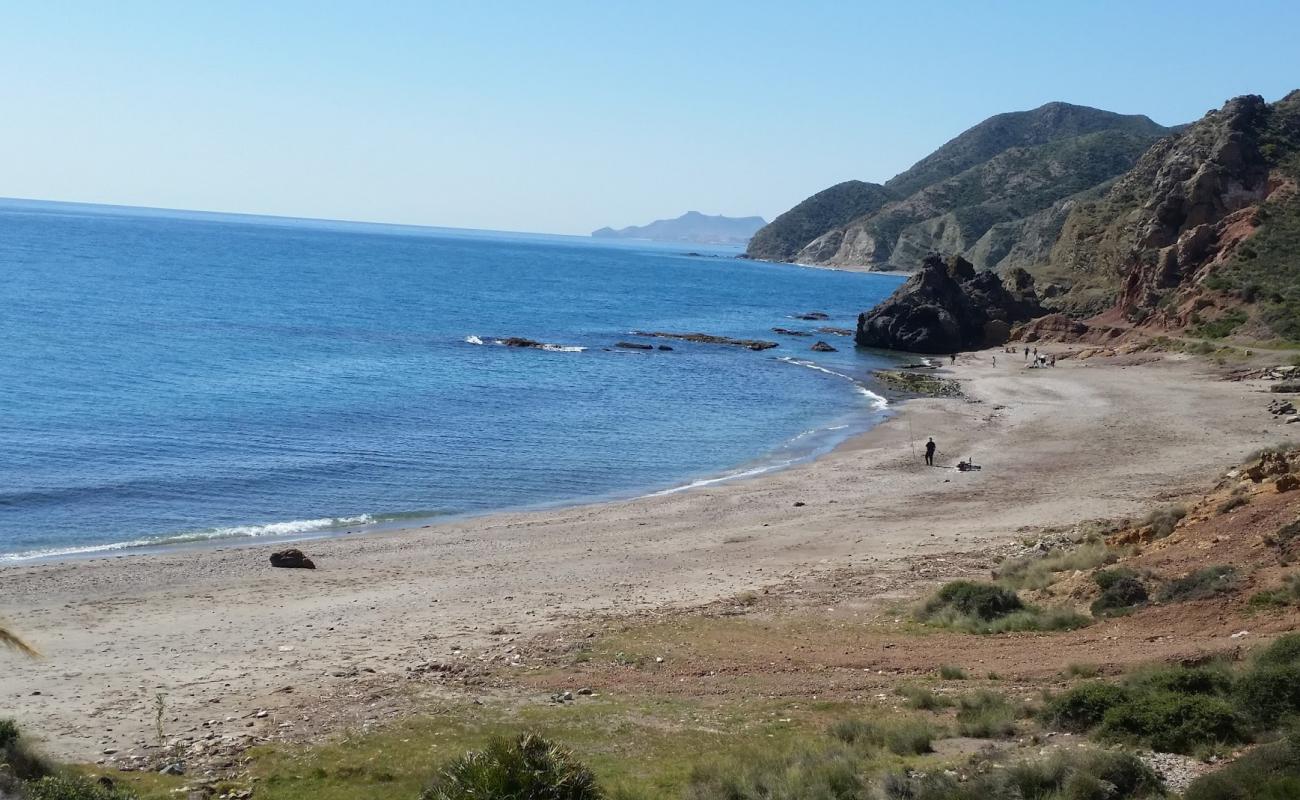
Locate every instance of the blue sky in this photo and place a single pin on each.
(564, 116)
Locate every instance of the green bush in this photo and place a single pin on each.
(1201, 584)
(1121, 591)
(1172, 722)
(982, 601)
(1083, 706)
(985, 715)
(1269, 692)
(1269, 772)
(74, 787)
(8, 733)
(901, 735)
(527, 768)
(830, 771)
(1283, 652)
(1208, 680)
(951, 673)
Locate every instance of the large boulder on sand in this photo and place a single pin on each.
(947, 306)
(292, 558)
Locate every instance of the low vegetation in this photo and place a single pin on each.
(1269, 772)
(1284, 596)
(1040, 572)
(1121, 592)
(1162, 521)
(1201, 584)
(986, 715)
(26, 774)
(900, 735)
(1066, 775)
(527, 767)
(1186, 709)
(989, 608)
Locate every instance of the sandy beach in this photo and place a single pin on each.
(221, 634)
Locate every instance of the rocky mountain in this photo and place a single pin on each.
(997, 194)
(691, 227)
(828, 209)
(948, 306)
(1202, 234)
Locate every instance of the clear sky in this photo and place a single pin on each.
(564, 116)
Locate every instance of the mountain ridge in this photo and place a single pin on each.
(692, 226)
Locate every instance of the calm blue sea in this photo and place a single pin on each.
(169, 377)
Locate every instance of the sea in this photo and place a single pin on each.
(178, 377)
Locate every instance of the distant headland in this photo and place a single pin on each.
(690, 227)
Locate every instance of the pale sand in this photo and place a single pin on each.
(211, 628)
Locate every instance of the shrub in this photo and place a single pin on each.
(1270, 689)
(923, 699)
(985, 715)
(1083, 706)
(901, 735)
(950, 673)
(1283, 652)
(1083, 670)
(8, 733)
(1269, 772)
(827, 772)
(1163, 520)
(1288, 532)
(1172, 722)
(527, 768)
(982, 601)
(17, 760)
(1201, 584)
(1207, 680)
(74, 787)
(1121, 591)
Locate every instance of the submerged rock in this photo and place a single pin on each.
(708, 338)
(947, 306)
(634, 346)
(790, 332)
(822, 347)
(292, 558)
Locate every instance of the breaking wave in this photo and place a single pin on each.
(878, 403)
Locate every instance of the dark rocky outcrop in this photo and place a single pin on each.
(822, 347)
(790, 332)
(946, 307)
(293, 558)
(634, 346)
(708, 338)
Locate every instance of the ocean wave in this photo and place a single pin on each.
(473, 340)
(288, 528)
(878, 403)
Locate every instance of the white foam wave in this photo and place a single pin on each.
(878, 403)
(731, 476)
(563, 348)
(473, 340)
(289, 528)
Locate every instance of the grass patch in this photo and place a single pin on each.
(923, 699)
(1200, 585)
(1082, 670)
(817, 770)
(1162, 521)
(900, 735)
(1284, 596)
(1233, 502)
(950, 673)
(1039, 573)
(986, 715)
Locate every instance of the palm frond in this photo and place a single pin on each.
(10, 639)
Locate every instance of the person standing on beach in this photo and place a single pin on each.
(929, 452)
(1026, 352)
(954, 358)
(995, 361)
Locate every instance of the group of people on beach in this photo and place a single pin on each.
(1043, 360)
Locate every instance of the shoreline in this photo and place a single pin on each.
(381, 524)
(219, 631)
